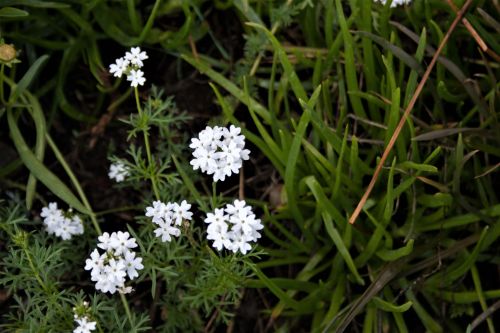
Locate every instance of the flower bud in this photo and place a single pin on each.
(7, 53)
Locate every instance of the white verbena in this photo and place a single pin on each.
(110, 269)
(233, 227)
(81, 315)
(118, 171)
(395, 2)
(219, 151)
(168, 217)
(136, 56)
(136, 77)
(84, 325)
(62, 224)
(130, 65)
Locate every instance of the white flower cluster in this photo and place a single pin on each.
(83, 321)
(219, 151)
(109, 269)
(118, 171)
(130, 65)
(84, 325)
(168, 217)
(62, 224)
(233, 227)
(395, 2)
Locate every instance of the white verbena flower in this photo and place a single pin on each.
(81, 315)
(166, 230)
(132, 264)
(395, 2)
(219, 151)
(122, 242)
(233, 227)
(130, 65)
(119, 67)
(167, 217)
(84, 325)
(135, 56)
(110, 269)
(136, 77)
(62, 224)
(118, 171)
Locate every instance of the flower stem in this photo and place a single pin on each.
(35, 271)
(214, 195)
(75, 182)
(127, 309)
(2, 97)
(148, 149)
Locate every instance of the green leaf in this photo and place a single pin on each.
(397, 51)
(35, 3)
(294, 80)
(416, 166)
(350, 61)
(389, 307)
(391, 255)
(328, 210)
(27, 79)
(276, 290)
(293, 156)
(41, 130)
(229, 86)
(344, 252)
(12, 12)
(41, 172)
(188, 182)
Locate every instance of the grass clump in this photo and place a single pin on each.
(390, 109)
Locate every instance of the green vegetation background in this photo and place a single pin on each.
(319, 88)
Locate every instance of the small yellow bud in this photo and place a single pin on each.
(7, 53)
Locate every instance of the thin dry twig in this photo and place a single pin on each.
(409, 108)
(474, 33)
(194, 51)
(470, 28)
(487, 313)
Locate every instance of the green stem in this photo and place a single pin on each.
(2, 96)
(99, 328)
(132, 14)
(75, 182)
(137, 101)
(35, 271)
(214, 195)
(146, 143)
(118, 210)
(127, 309)
(150, 21)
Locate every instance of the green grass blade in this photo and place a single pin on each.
(389, 307)
(41, 130)
(294, 80)
(11, 12)
(350, 64)
(229, 86)
(391, 255)
(41, 172)
(344, 252)
(27, 79)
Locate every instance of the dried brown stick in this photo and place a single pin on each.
(401, 123)
(487, 313)
(470, 28)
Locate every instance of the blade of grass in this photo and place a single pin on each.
(408, 109)
(43, 174)
(41, 129)
(27, 79)
(350, 66)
